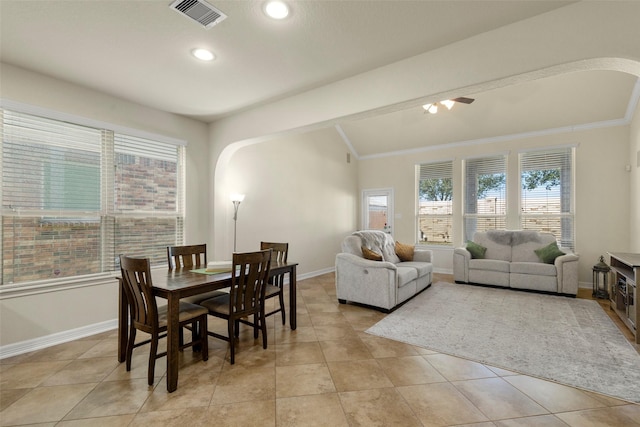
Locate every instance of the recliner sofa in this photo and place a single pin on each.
(510, 260)
(383, 284)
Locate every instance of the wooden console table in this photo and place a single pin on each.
(623, 295)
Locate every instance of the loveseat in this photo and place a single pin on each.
(521, 259)
(370, 271)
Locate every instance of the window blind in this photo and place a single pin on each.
(546, 201)
(435, 203)
(485, 204)
(75, 197)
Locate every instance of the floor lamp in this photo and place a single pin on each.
(236, 199)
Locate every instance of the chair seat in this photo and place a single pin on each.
(271, 290)
(218, 304)
(197, 299)
(188, 312)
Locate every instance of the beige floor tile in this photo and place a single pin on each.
(498, 399)
(45, 404)
(383, 347)
(241, 384)
(410, 370)
(310, 411)
(348, 349)
(537, 421)
(298, 353)
(334, 332)
(115, 421)
(109, 348)
(384, 406)
(67, 351)
(83, 371)
(323, 307)
(554, 397)
(456, 369)
(193, 391)
(300, 380)
(29, 375)
(355, 375)
(113, 398)
(191, 417)
(256, 413)
(10, 395)
(501, 372)
(302, 334)
(618, 416)
(441, 404)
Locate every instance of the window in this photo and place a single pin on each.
(435, 203)
(485, 205)
(546, 201)
(75, 197)
(377, 210)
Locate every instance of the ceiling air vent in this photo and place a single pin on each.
(200, 11)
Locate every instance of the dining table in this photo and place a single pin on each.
(176, 284)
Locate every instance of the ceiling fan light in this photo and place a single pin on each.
(427, 106)
(447, 103)
(433, 108)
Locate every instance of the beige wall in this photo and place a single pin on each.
(31, 315)
(602, 189)
(299, 189)
(634, 182)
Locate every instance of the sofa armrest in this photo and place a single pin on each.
(567, 270)
(423, 255)
(365, 281)
(461, 257)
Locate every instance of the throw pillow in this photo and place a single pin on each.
(549, 253)
(372, 255)
(404, 252)
(477, 251)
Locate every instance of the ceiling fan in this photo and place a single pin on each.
(448, 103)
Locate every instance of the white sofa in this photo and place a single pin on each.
(510, 261)
(382, 284)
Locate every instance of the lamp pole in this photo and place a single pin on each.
(236, 199)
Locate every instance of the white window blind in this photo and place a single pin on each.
(435, 203)
(546, 202)
(74, 197)
(485, 204)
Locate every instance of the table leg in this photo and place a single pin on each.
(123, 322)
(173, 329)
(292, 298)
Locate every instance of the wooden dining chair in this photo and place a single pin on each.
(249, 275)
(275, 286)
(147, 317)
(191, 257)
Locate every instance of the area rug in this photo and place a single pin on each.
(567, 340)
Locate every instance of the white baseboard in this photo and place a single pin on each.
(39, 343)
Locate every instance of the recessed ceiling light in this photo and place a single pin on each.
(277, 9)
(203, 54)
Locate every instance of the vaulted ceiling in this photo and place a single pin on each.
(140, 51)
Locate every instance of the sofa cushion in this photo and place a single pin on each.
(423, 268)
(477, 251)
(489, 265)
(404, 252)
(406, 275)
(372, 255)
(535, 268)
(549, 253)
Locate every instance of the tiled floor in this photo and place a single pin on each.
(326, 373)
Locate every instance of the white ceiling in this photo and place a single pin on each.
(139, 50)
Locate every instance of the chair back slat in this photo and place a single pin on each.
(187, 256)
(280, 250)
(136, 275)
(248, 277)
